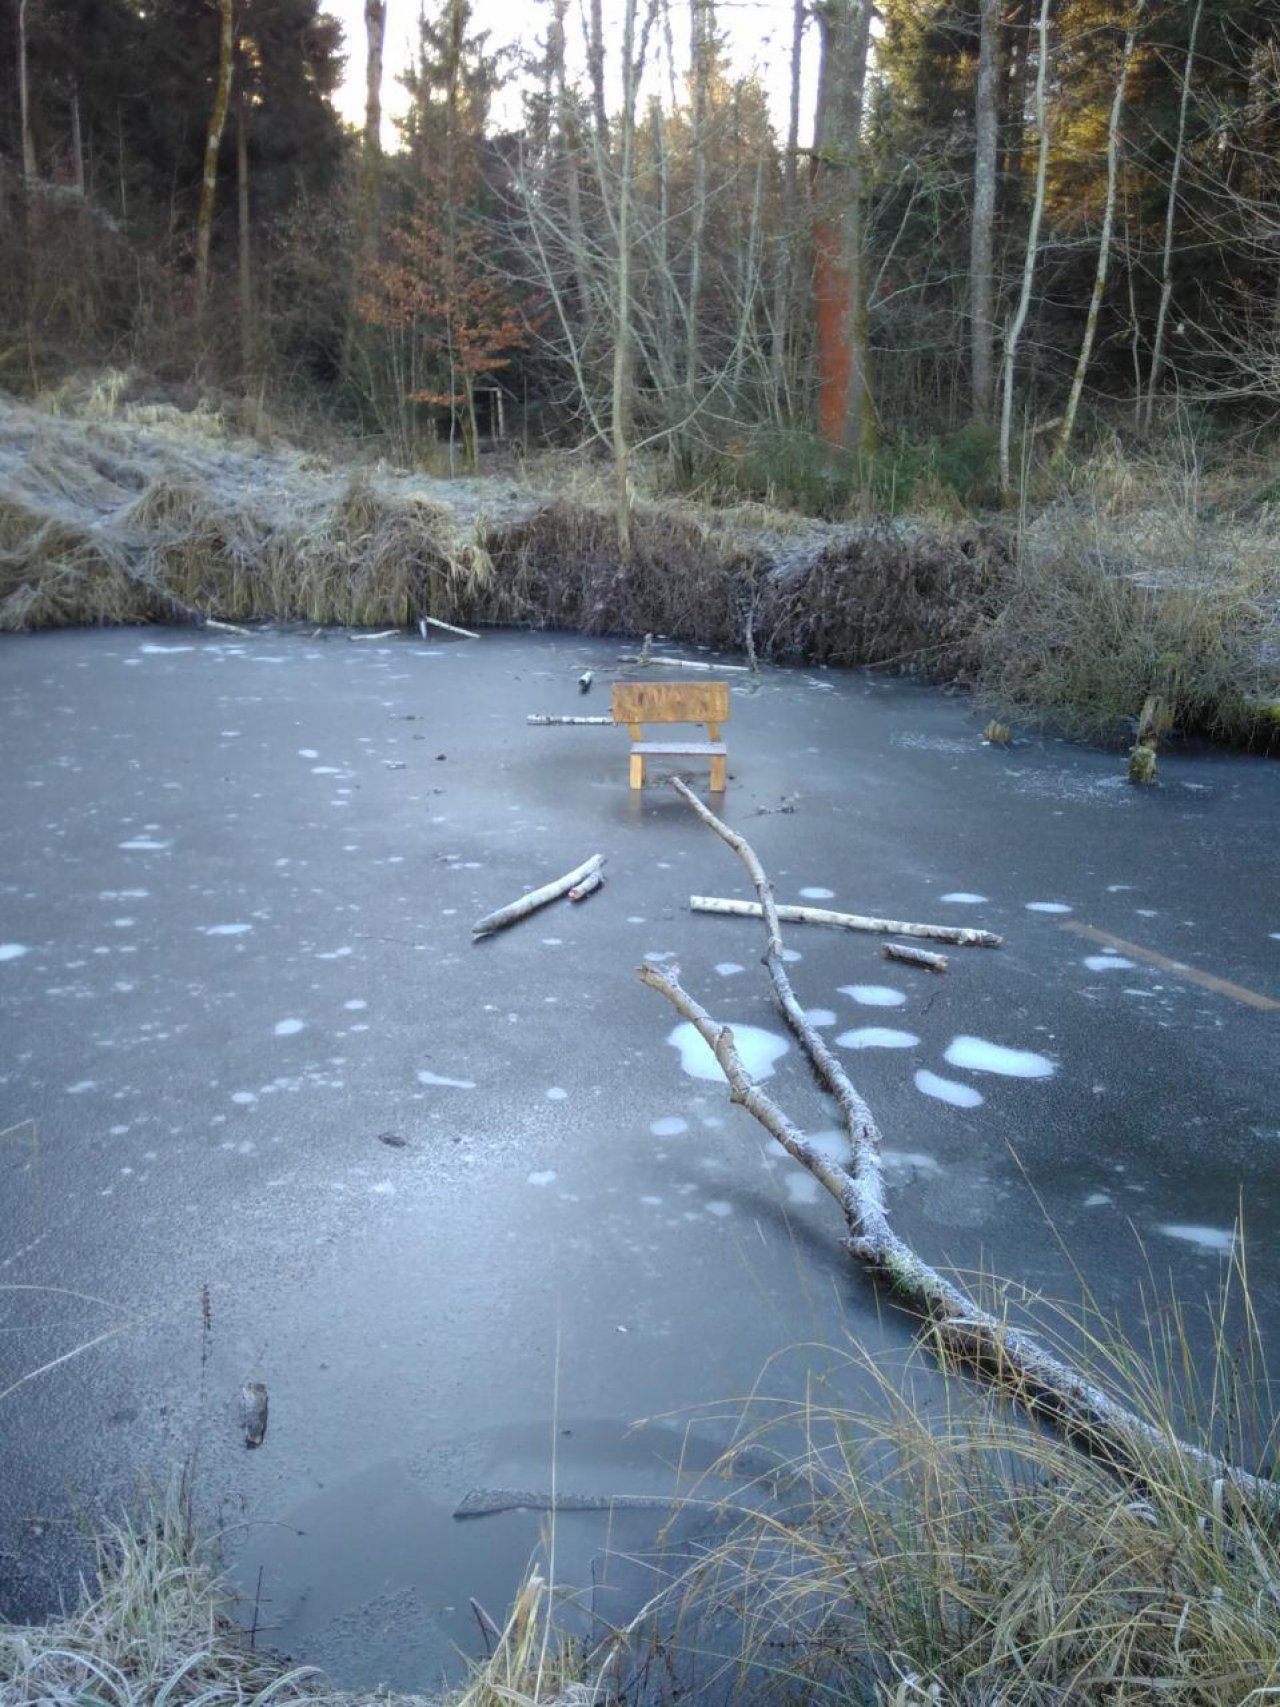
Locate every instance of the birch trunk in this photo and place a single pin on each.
(244, 257)
(982, 234)
(595, 63)
(1016, 325)
(700, 30)
(621, 397)
(1170, 213)
(213, 141)
(1104, 242)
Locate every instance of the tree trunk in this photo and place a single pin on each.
(701, 25)
(785, 270)
(595, 64)
(982, 234)
(1014, 334)
(213, 141)
(845, 415)
(29, 173)
(1104, 241)
(77, 142)
(1166, 267)
(622, 354)
(244, 257)
(375, 31)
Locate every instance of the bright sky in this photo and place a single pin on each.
(759, 33)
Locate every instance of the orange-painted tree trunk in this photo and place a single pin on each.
(846, 414)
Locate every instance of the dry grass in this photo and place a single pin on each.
(944, 1552)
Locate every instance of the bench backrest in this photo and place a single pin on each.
(670, 702)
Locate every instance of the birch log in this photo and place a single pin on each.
(915, 956)
(963, 935)
(537, 898)
(426, 622)
(963, 1330)
(544, 719)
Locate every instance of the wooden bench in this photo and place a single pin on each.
(638, 703)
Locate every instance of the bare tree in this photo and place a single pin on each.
(1104, 240)
(213, 142)
(1014, 333)
(1170, 214)
(982, 230)
(784, 271)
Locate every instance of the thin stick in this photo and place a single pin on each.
(963, 935)
(226, 627)
(382, 634)
(544, 720)
(537, 898)
(914, 956)
(588, 886)
(1036, 1378)
(426, 622)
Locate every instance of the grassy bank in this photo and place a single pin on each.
(1073, 616)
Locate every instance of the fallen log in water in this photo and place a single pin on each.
(961, 934)
(961, 1328)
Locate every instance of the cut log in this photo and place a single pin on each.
(915, 956)
(426, 622)
(961, 1328)
(959, 934)
(544, 720)
(537, 898)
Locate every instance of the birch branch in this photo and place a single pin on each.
(681, 663)
(915, 956)
(590, 883)
(963, 935)
(544, 720)
(1036, 1378)
(537, 898)
(426, 622)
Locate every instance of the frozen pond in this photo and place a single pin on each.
(269, 1114)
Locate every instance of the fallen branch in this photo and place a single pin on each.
(590, 883)
(544, 720)
(537, 898)
(681, 663)
(382, 634)
(963, 1329)
(426, 622)
(227, 627)
(915, 956)
(961, 934)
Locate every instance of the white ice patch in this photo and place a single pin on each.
(383, 1188)
(815, 894)
(1118, 888)
(335, 954)
(308, 753)
(223, 930)
(819, 1016)
(758, 1049)
(963, 898)
(1205, 1239)
(81, 1086)
(145, 844)
(791, 955)
(425, 1077)
(947, 1090)
(150, 646)
(802, 1188)
(906, 1160)
(326, 770)
(289, 1027)
(244, 1098)
(355, 1005)
(877, 1037)
(1096, 1199)
(717, 1206)
(543, 1178)
(13, 950)
(670, 1126)
(557, 1093)
(874, 995)
(1108, 963)
(979, 1056)
(727, 968)
(1047, 907)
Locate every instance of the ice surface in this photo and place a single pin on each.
(13, 950)
(670, 1126)
(289, 1027)
(1109, 963)
(426, 1077)
(963, 898)
(817, 894)
(980, 1056)
(1206, 1239)
(1047, 907)
(877, 1037)
(727, 968)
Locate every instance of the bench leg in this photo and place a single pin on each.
(717, 774)
(637, 770)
